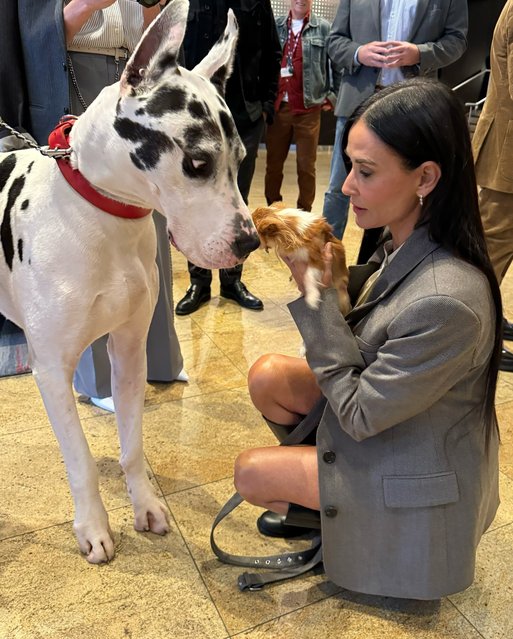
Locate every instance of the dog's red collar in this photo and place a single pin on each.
(59, 138)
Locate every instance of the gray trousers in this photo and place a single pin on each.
(92, 377)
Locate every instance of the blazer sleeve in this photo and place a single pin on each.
(451, 45)
(341, 48)
(430, 346)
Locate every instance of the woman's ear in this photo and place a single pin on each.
(430, 173)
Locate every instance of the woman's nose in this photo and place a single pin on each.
(348, 186)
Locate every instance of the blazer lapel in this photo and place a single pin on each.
(375, 11)
(414, 250)
(422, 7)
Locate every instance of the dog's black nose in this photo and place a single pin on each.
(243, 246)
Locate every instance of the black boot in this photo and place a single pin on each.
(507, 329)
(240, 294)
(196, 296)
(506, 363)
(298, 521)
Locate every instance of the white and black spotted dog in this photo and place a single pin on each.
(162, 138)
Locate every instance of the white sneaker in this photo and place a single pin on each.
(107, 403)
(182, 376)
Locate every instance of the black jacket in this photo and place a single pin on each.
(253, 84)
(13, 91)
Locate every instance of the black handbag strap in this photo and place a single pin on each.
(288, 564)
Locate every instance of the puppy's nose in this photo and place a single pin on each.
(243, 246)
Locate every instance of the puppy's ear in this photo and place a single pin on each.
(269, 228)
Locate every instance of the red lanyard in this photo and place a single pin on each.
(293, 40)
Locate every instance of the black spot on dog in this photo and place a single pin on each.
(246, 238)
(219, 79)
(5, 228)
(6, 168)
(20, 249)
(206, 131)
(227, 124)
(166, 99)
(165, 62)
(140, 111)
(198, 109)
(152, 144)
(29, 168)
(24, 205)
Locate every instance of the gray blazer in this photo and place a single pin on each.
(406, 489)
(439, 30)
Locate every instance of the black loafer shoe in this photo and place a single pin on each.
(196, 296)
(240, 294)
(507, 329)
(506, 363)
(298, 521)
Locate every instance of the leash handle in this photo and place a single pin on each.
(289, 564)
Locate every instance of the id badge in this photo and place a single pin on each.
(286, 72)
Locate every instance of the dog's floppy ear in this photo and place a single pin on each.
(218, 63)
(158, 48)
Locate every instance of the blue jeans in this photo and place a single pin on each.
(336, 204)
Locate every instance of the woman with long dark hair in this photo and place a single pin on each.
(404, 470)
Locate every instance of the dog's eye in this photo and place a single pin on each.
(197, 167)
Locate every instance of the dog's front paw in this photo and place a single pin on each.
(152, 516)
(95, 541)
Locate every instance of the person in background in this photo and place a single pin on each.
(493, 143)
(304, 89)
(71, 51)
(13, 111)
(375, 43)
(250, 95)
(404, 473)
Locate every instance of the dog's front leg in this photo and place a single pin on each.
(127, 351)
(91, 524)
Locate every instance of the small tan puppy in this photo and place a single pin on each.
(302, 235)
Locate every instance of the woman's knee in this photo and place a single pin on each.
(262, 379)
(247, 473)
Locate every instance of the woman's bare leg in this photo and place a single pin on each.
(276, 476)
(283, 388)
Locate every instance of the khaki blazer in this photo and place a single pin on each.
(492, 142)
(406, 489)
(439, 30)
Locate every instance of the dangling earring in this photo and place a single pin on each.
(421, 200)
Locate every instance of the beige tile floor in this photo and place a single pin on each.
(173, 587)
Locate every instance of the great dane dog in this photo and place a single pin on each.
(162, 138)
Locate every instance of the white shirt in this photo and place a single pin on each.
(119, 25)
(397, 18)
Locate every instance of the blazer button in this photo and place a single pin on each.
(329, 457)
(330, 511)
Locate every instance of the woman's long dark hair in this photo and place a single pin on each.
(422, 120)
